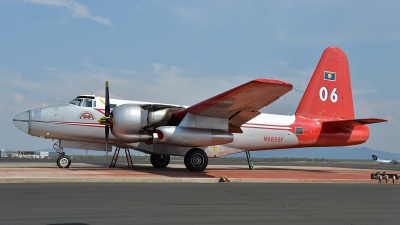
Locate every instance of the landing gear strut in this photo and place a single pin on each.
(196, 160)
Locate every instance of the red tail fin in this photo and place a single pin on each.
(328, 95)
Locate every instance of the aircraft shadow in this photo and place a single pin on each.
(274, 169)
(148, 169)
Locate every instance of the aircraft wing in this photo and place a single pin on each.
(241, 103)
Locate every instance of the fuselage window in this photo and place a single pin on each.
(299, 131)
(94, 104)
(113, 106)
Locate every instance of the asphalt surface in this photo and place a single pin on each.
(220, 203)
(195, 203)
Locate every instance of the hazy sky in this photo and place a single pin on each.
(183, 52)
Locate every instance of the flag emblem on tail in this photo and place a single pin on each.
(329, 75)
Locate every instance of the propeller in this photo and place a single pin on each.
(107, 120)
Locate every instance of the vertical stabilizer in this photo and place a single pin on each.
(328, 95)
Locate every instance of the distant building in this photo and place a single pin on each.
(43, 154)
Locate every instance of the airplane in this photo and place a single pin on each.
(384, 161)
(225, 124)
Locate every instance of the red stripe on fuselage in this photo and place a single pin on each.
(70, 123)
(265, 126)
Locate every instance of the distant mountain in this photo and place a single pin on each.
(322, 152)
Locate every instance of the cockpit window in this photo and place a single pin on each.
(83, 102)
(77, 102)
(87, 103)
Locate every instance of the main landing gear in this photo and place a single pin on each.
(159, 161)
(196, 160)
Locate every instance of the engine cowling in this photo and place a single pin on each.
(129, 120)
(192, 137)
(136, 123)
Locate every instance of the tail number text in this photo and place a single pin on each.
(273, 139)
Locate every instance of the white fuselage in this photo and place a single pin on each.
(74, 123)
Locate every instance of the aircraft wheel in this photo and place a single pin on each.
(63, 161)
(196, 160)
(159, 161)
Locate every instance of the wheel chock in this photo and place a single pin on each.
(224, 179)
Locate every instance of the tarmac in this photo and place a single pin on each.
(198, 203)
(37, 192)
(47, 172)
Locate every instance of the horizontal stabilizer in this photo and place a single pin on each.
(349, 123)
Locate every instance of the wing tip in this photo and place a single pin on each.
(271, 81)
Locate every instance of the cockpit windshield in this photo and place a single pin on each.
(83, 102)
(77, 102)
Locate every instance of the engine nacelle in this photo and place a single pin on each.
(192, 137)
(136, 123)
(129, 119)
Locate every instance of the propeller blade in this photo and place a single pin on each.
(107, 109)
(107, 120)
(107, 113)
(107, 133)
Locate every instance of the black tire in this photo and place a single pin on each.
(196, 160)
(63, 161)
(159, 161)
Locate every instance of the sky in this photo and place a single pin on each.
(183, 52)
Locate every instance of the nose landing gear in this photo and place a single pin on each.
(63, 161)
